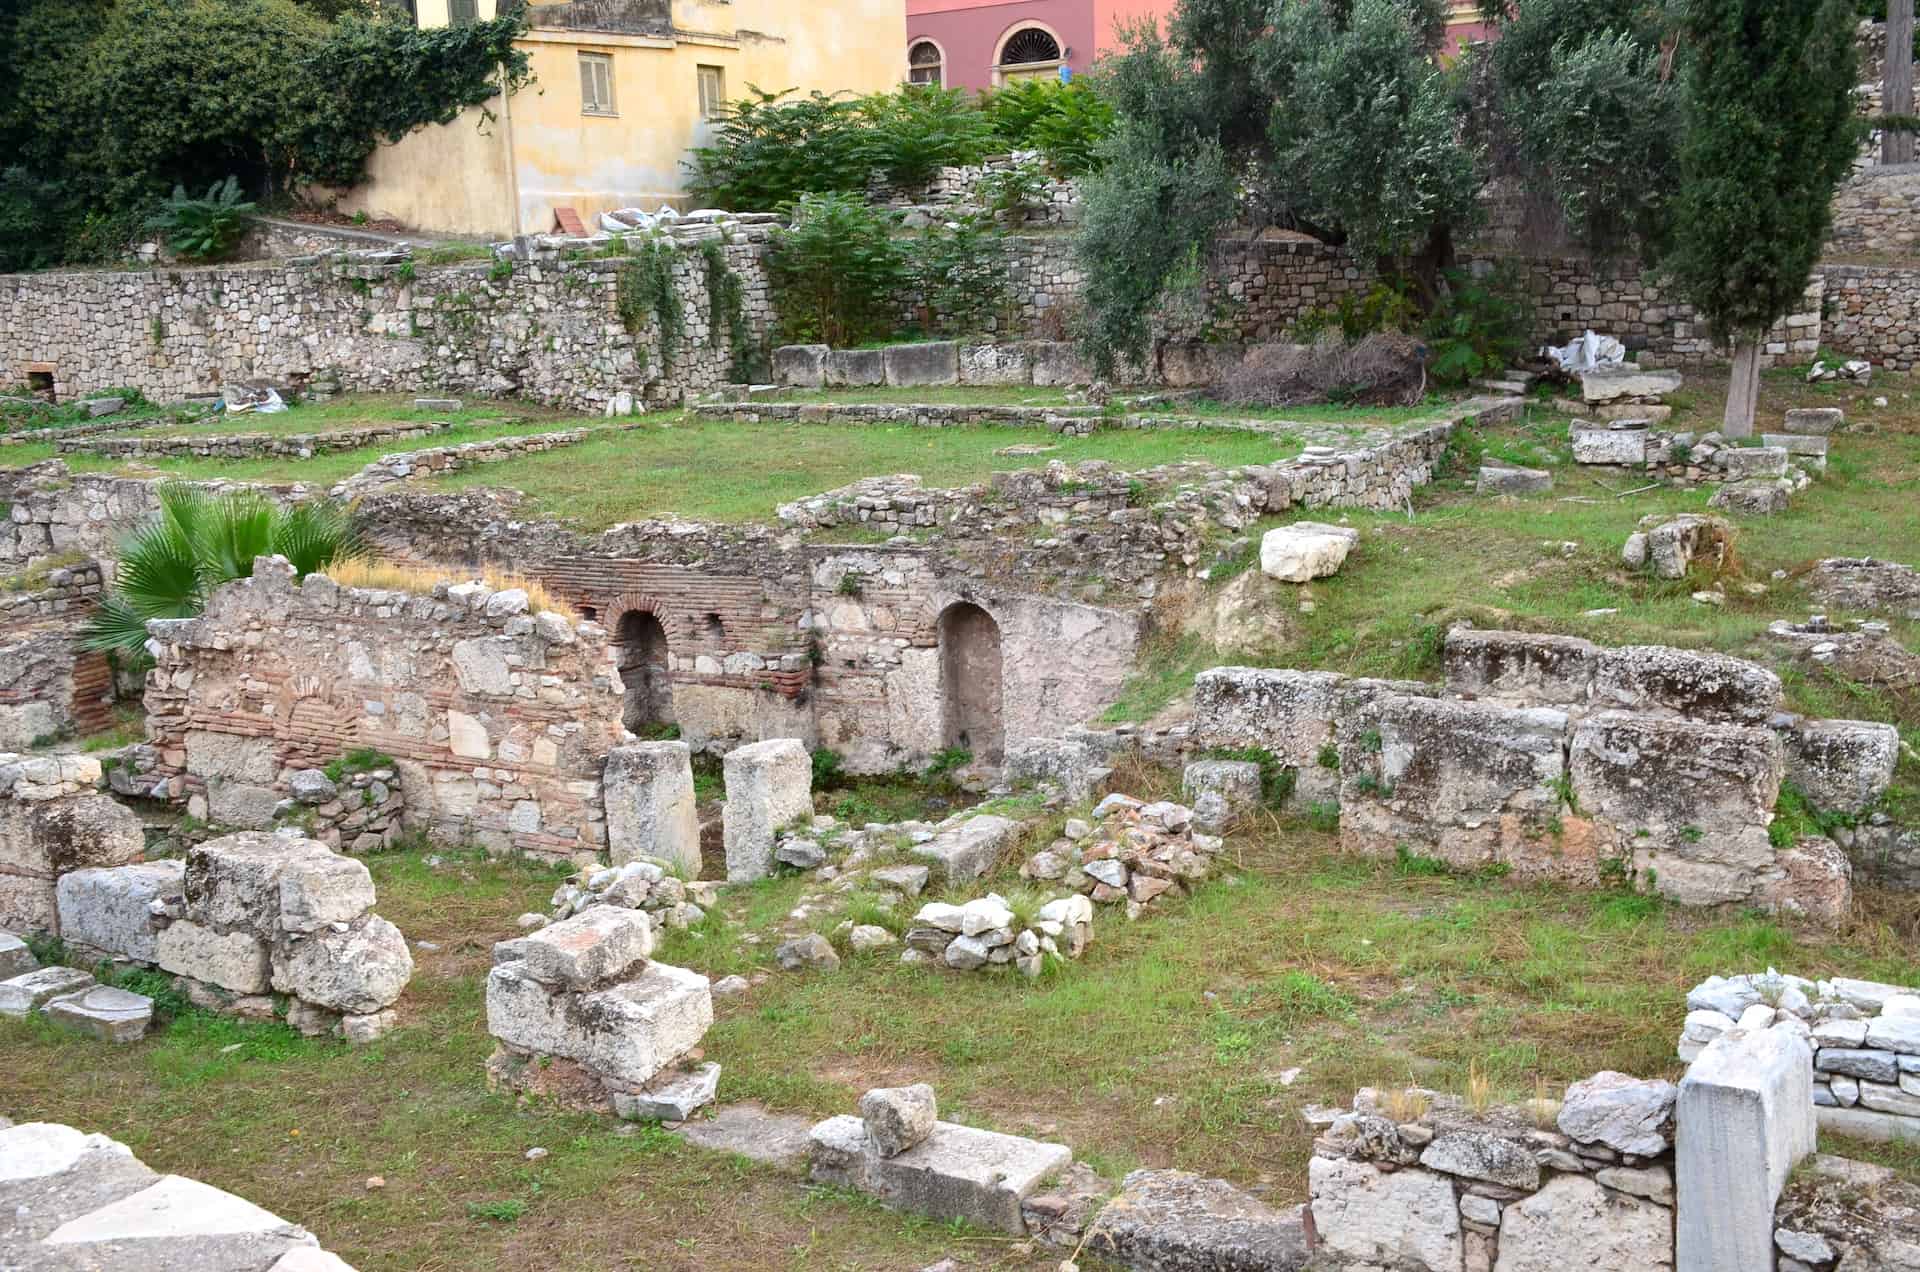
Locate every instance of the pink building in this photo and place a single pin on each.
(985, 43)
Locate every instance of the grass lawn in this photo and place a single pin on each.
(721, 471)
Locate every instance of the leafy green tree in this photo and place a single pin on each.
(837, 273)
(768, 151)
(205, 228)
(199, 541)
(1770, 132)
(918, 130)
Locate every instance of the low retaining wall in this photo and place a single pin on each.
(389, 470)
(247, 445)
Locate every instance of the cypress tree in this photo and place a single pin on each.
(1770, 132)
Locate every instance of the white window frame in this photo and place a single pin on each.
(1002, 71)
(939, 68)
(590, 103)
(714, 103)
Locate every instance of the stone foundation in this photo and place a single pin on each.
(52, 823)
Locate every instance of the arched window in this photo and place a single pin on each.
(926, 64)
(1028, 51)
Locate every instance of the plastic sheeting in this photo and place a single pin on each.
(1588, 352)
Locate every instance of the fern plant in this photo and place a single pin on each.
(206, 228)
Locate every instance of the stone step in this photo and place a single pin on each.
(109, 1014)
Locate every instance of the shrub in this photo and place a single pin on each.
(1381, 307)
(205, 228)
(918, 130)
(1378, 369)
(1010, 192)
(960, 274)
(1065, 122)
(837, 273)
(30, 220)
(767, 151)
(1479, 327)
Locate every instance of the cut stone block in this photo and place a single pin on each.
(1816, 421)
(42, 839)
(1521, 666)
(774, 1139)
(15, 958)
(1609, 446)
(110, 910)
(801, 366)
(1684, 682)
(671, 1097)
(1573, 1222)
(936, 362)
(30, 990)
(1172, 1221)
(1611, 384)
(172, 1209)
(769, 786)
(1794, 444)
(1496, 480)
(236, 961)
(317, 890)
(856, 368)
(1235, 781)
(957, 1172)
(1744, 462)
(628, 1033)
(1756, 497)
(1744, 1119)
(233, 883)
(897, 1118)
(1289, 713)
(970, 850)
(357, 972)
(596, 946)
(1841, 766)
(109, 1014)
(436, 404)
(1405, 1219)
(648, 790)
(1866, 1124)
(1305, 550)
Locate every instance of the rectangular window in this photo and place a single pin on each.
(713, 91)
(463, 12)
(596, 84)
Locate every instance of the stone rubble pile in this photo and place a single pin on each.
(1414, 1180)
(79, 1200)
(984, 933)
(363, 812)
(1558, 758)
(245, 917)
(898, 1151)
(636, 885)
(1865, 1037)
(246, 445)
(582, 1013)
(1671, 546)
(1862, 583)
(1130, 851)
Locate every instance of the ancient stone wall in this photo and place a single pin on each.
(497, 720)
(544, 329)
(245, 445)
(51, 822)
(1874, 313)
(1877, 213)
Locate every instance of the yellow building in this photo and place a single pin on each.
(623, 90)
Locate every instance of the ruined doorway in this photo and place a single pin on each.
(643, 672)
(970, 681)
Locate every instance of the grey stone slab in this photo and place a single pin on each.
(934, 363)
(627, 1033)
(959, 1172)
(15, 958)
(769, 786)
(1874, 1066)
(596, 946)
(1745, 1117)
(1172, 1221)
(109, 1014)
(773, 1139)
(1866, 1124)
(671, 1097)
(111, 909)
(29, 990)
(970, 850)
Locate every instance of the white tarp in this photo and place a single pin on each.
(1585, 354)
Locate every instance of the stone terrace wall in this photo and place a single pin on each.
(67, 593)
(1877, 212)
(549, 331)
(246, 445)
(498, 720)
(1875, 313)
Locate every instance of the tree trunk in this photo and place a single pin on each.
(1896, 145)
(1743, 390)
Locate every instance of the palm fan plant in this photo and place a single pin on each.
(200, 541)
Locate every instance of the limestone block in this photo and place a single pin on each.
(1817, 421)
(1305, 550)
(960, 1172)
(596, 946)
(897, 1118)
(482, 665)
(1744, 1119)
(1237, 782)
(317, 890)
(356, 972)
(838, 1153)
(769, 786)
(1690, 683)
(240, 804)
(231, 756)
(29, 990)
(1172, 1220)
(627, 1033)
(109, 1014)
(856, 368)
(1673, 544)
(233, 882)
(1289, 713)
(1756, 497)
(15, 958)
(1812, 880)
(1841, 766)
(237, 961)
(971, 849)
(44, 840)
(1609, 446)
(801, 366)
(914, 365)
(1522, 666)
(671, 1097)
(1744, 462)
(1611, 384)
(1621, 1112)
(176, 1222)
(1497, 480)
(1074, 766)
(1575, 1223)
(1703, 795)
(110, 910)
(994, 364)
(1058, 362)
(1483, 1155)
(1470, 782)
(648, 791)
(1405, 1219)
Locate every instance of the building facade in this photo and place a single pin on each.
(623, 91)
(981, 44)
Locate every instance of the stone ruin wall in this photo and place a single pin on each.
(48, 688)
(549, 331)
(52, 823)
(497, 720)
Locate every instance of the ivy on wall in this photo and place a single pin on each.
(644, 288)
(726, 301)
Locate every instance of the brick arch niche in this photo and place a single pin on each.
(642, 656)
(971, 681)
